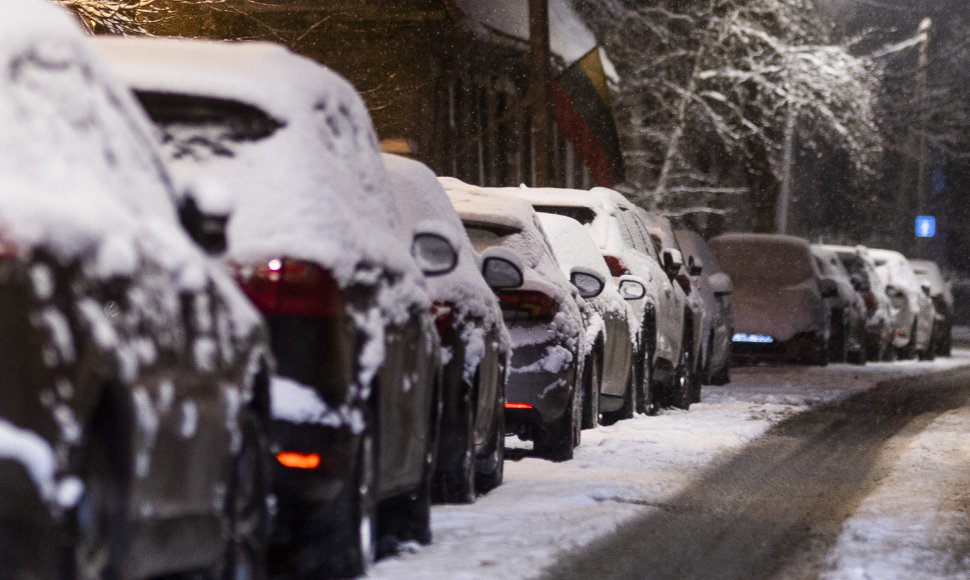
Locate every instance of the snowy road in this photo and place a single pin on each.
(898, 511)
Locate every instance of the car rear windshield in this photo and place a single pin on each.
(583, 215)
(190, 124)
(764, 261)
(486, 232)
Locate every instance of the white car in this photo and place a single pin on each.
(942, 295)
(913, 312)
(620, 233)
(847, 342)
(544, 391)
(879, 316)
(612, 326)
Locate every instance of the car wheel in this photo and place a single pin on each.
(246, 512)
(629, 399)
(839, 339)
(99, 521)
(644, 401)
(407, 517)
(557, 440)
(680, 395)
(722, 376)
(490, 464)
(591, 391)
(352, 547)
(908, 352)
(457, 484)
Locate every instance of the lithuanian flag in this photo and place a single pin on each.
(581, 107)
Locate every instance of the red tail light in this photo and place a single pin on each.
(518, 406)
(444, 315)
(527, 305)
(291, 287)
(870, 300)
(616, 266)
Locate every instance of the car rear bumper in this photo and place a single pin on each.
(539, 380)
(799, 348)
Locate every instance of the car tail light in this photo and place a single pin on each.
(870, 299)
(444, 315)
(518, 406)
(291, 287)
(527, 305)
(296, 460)
(616, 266)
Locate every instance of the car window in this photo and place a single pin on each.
(777, 264)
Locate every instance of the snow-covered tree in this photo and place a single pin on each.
(125, 16)
(713, 90)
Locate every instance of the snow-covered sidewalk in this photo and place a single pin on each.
(545, 508)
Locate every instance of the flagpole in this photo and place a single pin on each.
(541, 81)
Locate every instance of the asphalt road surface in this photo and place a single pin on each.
(776, 508)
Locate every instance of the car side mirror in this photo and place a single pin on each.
(589, 282)
(672, 260)
(433, 253)
(203, 210)
(632, 287)
(925, 286)
(501, 269)
(828, 288)
(859, 283)
(694, 266)
(720, 284)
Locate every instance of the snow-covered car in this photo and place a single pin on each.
(612, 328)
(622, 237)
(714, 287)
(848, 329)
(134, 393)
(661, 233)
(543, 393)
(475, 343)
(879, 316)
(942, 295)
(781, 301)
(912, 309)
(316, 245)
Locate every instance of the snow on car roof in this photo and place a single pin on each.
(78, 174)
(312, 185)
(491, 205)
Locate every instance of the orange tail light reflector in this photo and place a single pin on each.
(296, 460)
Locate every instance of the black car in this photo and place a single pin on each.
(134, 390)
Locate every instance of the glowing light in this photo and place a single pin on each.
(755, 338)
(518, 406)
(296, 460)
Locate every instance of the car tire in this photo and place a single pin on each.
(629, 399)
(353, 546)
(457, 485)
(557, 440)
(490, 464)
(722, 376)
(908, 352)
(839, 339)
(591, 392)
(99, 520)
(246, 513)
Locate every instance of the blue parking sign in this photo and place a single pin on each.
(925, 226)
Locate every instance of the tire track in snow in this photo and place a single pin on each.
(777, 507)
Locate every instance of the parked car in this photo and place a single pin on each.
(316, 245)
(621, 235)
(913, 312)
(543, 394)
(879, 318)
(662, 234)
(942, 295)
(475, 343)
(714, 288)
(782, 304)
(847, 341)
(135, 383)
(612, 327)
